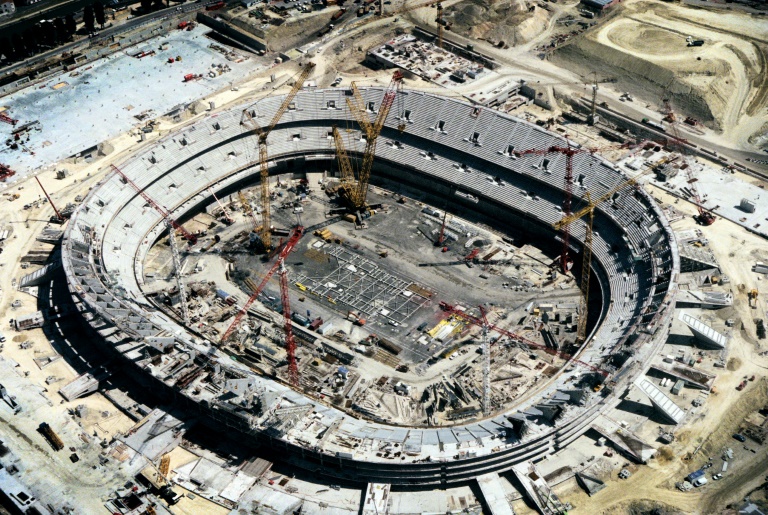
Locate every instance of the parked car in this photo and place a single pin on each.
(716, 477)
(740, 437)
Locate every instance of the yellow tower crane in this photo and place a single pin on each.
(586, 267)
(371, 131)
(249, 119)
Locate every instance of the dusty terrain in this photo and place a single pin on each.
(722, 83)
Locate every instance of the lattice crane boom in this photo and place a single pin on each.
(248, 209)
(164, 212)
(249, 119)
(290, 343)
(176, 256)
(372, 131)
(345, 167)
(287, 249)
(173, 226)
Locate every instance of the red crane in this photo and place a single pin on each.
(290, 343)
(481, 322)
(566, 262)
(58, 215)
(7, 119)
(705, 217)
(298, 232)
(191, 238)
(441, 236)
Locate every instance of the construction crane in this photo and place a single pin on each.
(586, 262)
(483, 322)
(249, 119)
(248, 210)
(228, 218)
(7, 119)
(439, 21)
(290, 343)
(371, 131)
(345, 168)
(441, 236)
(59, 218)
(486, 366)
(172, 226)
(704, 216)
(191, 238)
(287, 249)
(569, 151)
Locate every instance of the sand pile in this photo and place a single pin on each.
(499, 21)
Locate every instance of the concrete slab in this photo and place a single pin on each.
(493, 493)
(101, 100)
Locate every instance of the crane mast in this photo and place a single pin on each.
(290, 343)
(173, 226)
(249, 119)
(486, 366)
(248, 210)
(177, 267)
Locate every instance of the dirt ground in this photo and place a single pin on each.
(652, 486)
(723, 83)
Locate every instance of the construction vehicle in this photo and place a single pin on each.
(356, 197)
(249, 119)
(355, 318)
(7, 119)
(752, 296)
